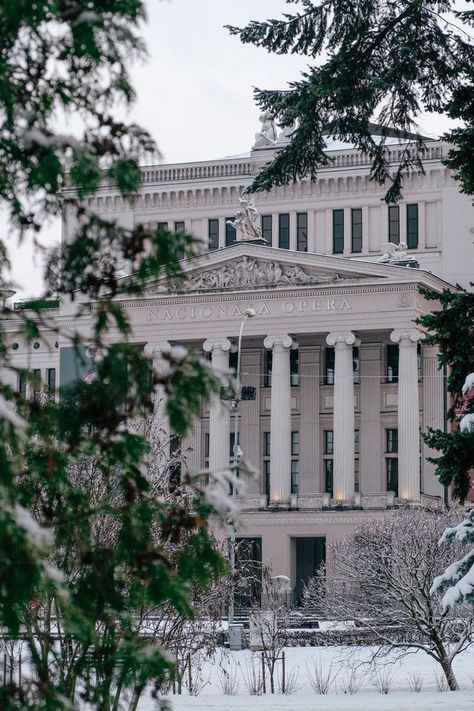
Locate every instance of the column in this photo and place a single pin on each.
(280, 419)
(309, 357)
(408, 415)
(433, 416)
(250, 413)
(161, 426)
(343, 416)
(219, 413)
(370, 467)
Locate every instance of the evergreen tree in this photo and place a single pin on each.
(68, 59)
(371, 60)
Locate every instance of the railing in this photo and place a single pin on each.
(180, 172)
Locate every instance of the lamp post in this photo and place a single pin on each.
(237, 452)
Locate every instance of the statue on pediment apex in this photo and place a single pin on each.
(246, 221)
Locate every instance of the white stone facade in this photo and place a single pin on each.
(350, 387)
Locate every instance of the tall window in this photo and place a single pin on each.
(162, 225)
(338, 231)
(36, 383)
(51, 380)
(267, 229)
(294, 363)
(295, 465)
(394, 224)
(230, 233)
(356, 460)
(302, 231)
(329, 366)
(267, 371)
(412, 226)
(328, 451)
(391, 459)
(266, 463)
(179, 227)
(22, 384)
(392, 363)
(356, 230)
(284, 231)
(213, 232)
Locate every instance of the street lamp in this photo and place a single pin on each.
(237, 452)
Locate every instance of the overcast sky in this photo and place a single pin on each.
(194, 94)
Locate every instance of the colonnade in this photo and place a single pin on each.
(344, 404)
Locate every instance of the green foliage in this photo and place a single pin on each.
(87, 537)
(450, 328)
(372, 61)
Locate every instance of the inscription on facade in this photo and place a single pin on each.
(211, 311)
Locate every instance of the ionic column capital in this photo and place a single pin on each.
(155, 350)
(211, 344)
(281, 342)
(406, 336)
(342, 339)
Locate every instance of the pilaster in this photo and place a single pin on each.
(309, 371)
(370, 456)
(250, 414)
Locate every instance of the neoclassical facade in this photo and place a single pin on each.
(337, 384)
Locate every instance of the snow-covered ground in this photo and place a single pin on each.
(301, 660)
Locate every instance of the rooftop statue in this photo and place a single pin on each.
(247, 221)
(397, 254)
(268, 135)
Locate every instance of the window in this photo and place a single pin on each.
(302, 231)
(213, 231)
(295, 444)
(230, 233)
(329, 366)
(391, 464)
(267, 228)
(356, 365)
(356, 230)
(328, 477)
(328, 442)
(356, 441)
(206, 449)
(284, 231)
(391, 441)
(266, 463)
(36, 383)
(394, 224)
(338, 231)
(295, 476)
(233, 361)
(179, 227)
(294, 362)
(412, 226)
(266, 476)
(51, 380)
(267, 375)
(175, 462)
(330, 357)
(419, 361)
(392, 363)
(22, 384)
(162, 225)
(266, 444)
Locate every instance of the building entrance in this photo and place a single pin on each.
(310, 555)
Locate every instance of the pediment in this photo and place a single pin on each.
(253, 267)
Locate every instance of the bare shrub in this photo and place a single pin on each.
(440, 681)
(253, 679)
(321, 678)
(228, 677)
(292, 683)
(351, 681)
(383, 680)
(415, 683)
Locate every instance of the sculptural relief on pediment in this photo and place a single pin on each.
(250, 273)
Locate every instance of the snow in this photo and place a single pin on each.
(305, 699)
(35, 533)
(467, 423)
(468, 383)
